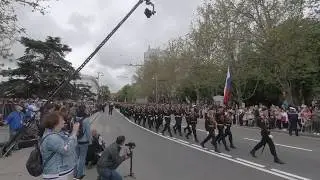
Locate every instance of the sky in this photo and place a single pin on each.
(83, 24)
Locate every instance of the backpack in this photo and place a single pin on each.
(34, 163)
(81, 129)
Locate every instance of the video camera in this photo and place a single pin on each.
(131, 145)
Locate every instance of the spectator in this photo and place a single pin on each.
(15, 122)
(95, 149)
(316, 121)
(57, 149)
(110, 160)
(84, 139)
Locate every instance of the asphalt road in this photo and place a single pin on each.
(160, 157)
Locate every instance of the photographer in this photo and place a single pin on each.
(110, 160)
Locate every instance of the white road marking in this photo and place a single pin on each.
(217, 154)
(223, 154)
(182, 141)
(289, 174)
(196, 145)
(293, 147)
(249, 162)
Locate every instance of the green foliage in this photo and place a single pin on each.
(40, 70)
(82, 91)
(127, 93)
(270, 46)
(105, 93)
(9, 28)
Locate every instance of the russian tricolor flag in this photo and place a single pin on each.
(227, 88)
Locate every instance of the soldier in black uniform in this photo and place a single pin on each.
(178, 113)
(134, 113)
(210, 127)
(167, 118)
(186, 115)
(139, 115)
(193, 120)
(220, 118)
(144, 116)
(266, 139)
(227, 131)
(158, 117)
(293, 118)
(150, 117)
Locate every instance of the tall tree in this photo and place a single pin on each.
(9, 28)
(104, 93)
(127, 93)
(271, 46)
(41, 69)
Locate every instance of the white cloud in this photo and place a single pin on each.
(82, 24)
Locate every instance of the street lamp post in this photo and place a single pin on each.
(100, 74)
(156, 79)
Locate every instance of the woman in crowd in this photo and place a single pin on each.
(57, 148)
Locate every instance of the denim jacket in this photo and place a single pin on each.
(64, 148)
(86, 138)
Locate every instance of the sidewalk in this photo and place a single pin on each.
(13, 167)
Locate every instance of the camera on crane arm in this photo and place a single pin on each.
(131, 145)
(149, 12)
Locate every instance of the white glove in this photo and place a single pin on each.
(270, 136)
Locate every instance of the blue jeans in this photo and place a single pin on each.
(12, 134)
(108, 174)
(81, 150)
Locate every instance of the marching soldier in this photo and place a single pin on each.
(144, 116)
(150, 117)
(186, 115)
(266, 139)
(139, 115)
(210, 127)
(193, 120)
(158, 118)
(167, 118)
(178, 113)
(220, 118)
(227, 131)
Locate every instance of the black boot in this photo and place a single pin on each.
(196, 140)
(202, 145)
(277, 160)
(253, 153)
(216, 149)
(232, 146)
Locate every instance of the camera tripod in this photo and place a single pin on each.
(131, 174)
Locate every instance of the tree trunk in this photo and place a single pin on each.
(198, 96)
(302, 100)
(288, 95)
